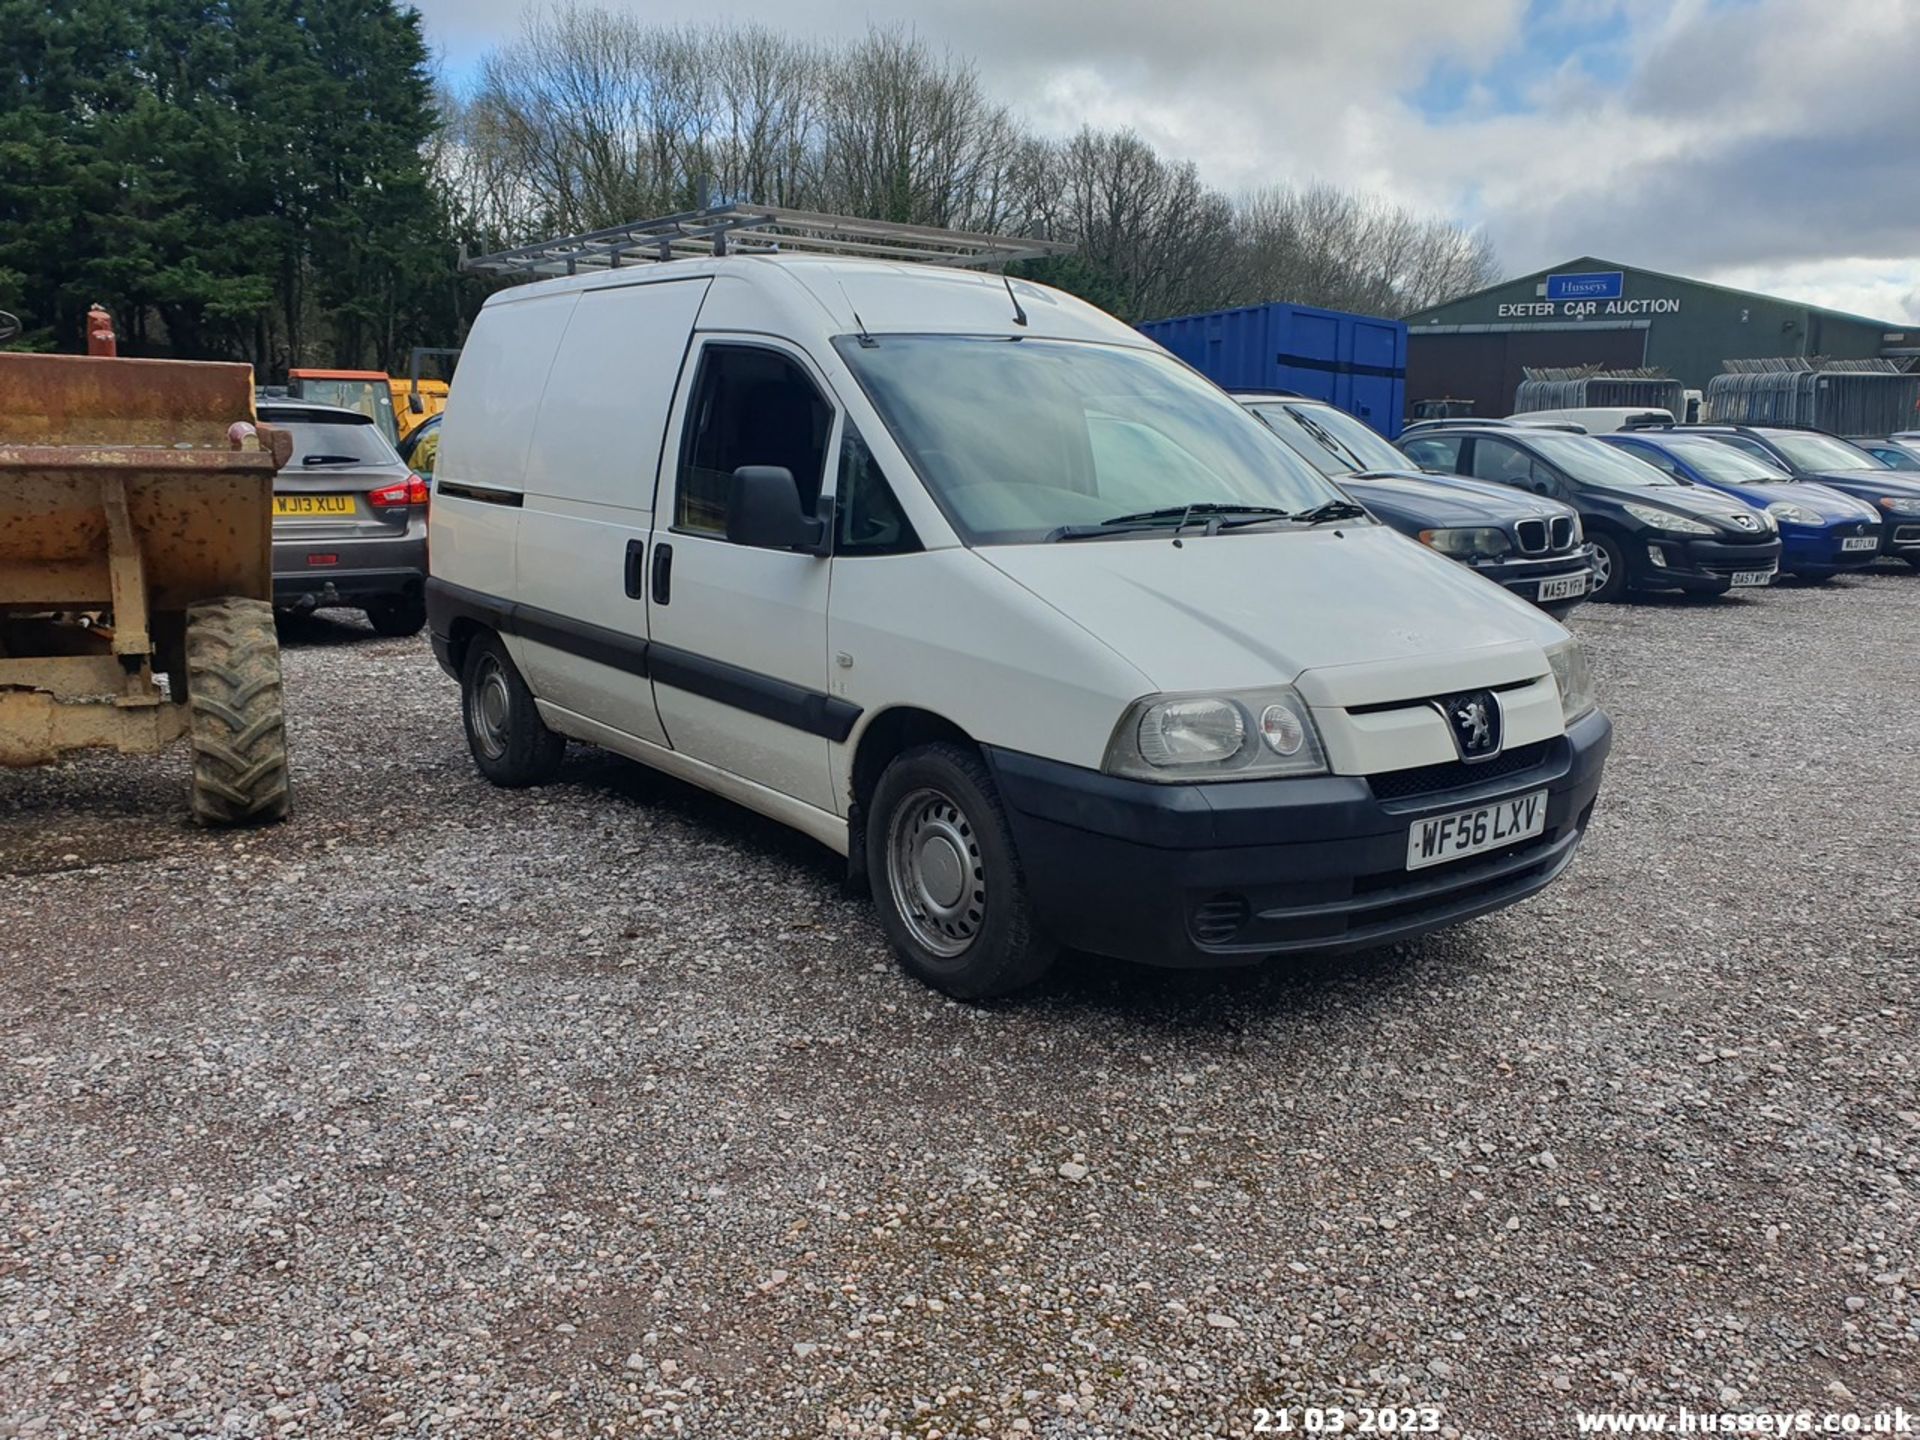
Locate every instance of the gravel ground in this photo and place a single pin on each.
(447, 1111)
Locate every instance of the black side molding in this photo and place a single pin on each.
(447, 602)
(485, 494)
(757, 694)
(770, 698)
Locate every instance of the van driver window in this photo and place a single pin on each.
(870, 519)
(750, 407)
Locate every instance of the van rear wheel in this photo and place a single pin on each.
(510, 742)
(946, 880)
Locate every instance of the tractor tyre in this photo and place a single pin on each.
(237, 722)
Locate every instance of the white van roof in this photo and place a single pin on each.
(797, 295)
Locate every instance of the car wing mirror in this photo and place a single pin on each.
(764, 511)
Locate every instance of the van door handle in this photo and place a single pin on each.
(662, 573)
(636, 564)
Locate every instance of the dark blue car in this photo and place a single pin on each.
(1823, 533)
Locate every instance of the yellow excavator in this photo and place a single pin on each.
(397, 407)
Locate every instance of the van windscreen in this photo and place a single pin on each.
(1018, 438)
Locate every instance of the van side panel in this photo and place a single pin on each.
(590, 475)
(597, 438)
(477, 479)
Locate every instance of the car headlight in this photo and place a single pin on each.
(1245, 735)
(1792, 514)
(1570, 673)
(1468, 544)
(1900, 504)
(1667, 520)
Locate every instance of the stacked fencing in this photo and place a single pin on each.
(1845, 397)
(1578, 387)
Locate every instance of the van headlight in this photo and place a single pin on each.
(1666, 520)
(1575, 680)
(1244, 735)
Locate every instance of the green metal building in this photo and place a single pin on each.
(1598, 312)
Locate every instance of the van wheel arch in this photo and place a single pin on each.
(890, 733)
(465, 630)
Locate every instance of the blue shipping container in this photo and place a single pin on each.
(1358, 362)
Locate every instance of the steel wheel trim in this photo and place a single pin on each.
(935, 874)
(488, 704)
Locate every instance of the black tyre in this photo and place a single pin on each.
(510, 742)
(407, 616)
(1610, 574)
(236, 714)
(946, 880)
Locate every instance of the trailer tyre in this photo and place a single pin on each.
(237, 719)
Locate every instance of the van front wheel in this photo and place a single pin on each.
(946, 880)
(510, 742)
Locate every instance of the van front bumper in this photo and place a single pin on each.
(1231, 873)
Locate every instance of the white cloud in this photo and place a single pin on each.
(1772, 139)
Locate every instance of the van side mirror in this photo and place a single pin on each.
(763, 510)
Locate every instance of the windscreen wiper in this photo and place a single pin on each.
(1332, 510)
(1334, 447)
(329, 459)
(1179, 514)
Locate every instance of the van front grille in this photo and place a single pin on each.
(1454, 774)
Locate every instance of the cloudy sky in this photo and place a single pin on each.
(1768, 144)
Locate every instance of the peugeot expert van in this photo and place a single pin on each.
(982, 589)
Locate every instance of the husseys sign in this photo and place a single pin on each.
(1575, 297)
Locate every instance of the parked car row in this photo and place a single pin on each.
(1699, 508)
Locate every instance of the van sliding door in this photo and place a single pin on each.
(589, 501)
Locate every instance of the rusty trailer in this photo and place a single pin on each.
(136, 512)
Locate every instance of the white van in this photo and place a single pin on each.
(1598, 419)
(982, 589)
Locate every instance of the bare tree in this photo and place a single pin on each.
(592, 117)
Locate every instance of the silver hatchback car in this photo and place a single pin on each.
(349, 519)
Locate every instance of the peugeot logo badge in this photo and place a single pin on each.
(1746, 522)
(1474, 719)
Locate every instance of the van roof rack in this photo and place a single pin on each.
(757, 230)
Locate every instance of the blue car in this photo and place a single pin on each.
(1822, 532)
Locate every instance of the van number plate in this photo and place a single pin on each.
(1753, 577)
(1564, 588)
(1860, 542)
(1468, 832)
